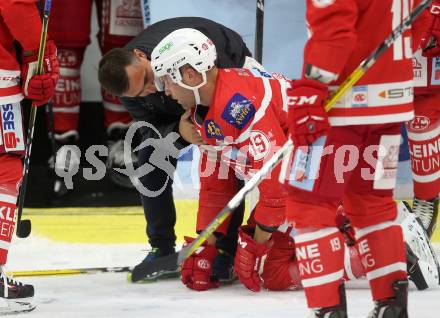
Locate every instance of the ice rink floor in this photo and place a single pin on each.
(110, 295)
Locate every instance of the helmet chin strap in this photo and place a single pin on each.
(196, 96)
(195, 89)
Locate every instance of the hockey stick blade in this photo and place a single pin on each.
(343, 88)
(24, 228)
(150, 269)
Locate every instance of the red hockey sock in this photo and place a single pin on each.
(7, 224)
(320, 256)
(382, 251)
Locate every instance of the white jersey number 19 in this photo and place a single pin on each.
(402, 45)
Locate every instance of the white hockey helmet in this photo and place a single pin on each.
(181, 47)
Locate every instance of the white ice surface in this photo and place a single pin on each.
(110, 295)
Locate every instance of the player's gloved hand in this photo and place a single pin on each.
(431, 39)
(40, 88)
(197, 269)
(344, 225)
(307, 118)
(249, 259)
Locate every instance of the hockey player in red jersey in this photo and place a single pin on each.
(119, 21)
(356, 163)
(424, 129)
(17, 82)
(244, 122)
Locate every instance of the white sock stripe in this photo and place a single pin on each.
(4, 245)
(73, 110)
(69, 72)
(8, 198)
(425, 135)
(324, 279)
(301, 238)
(369, 229)
(383, 271)
(427, 178)
(347, 264)
(118, 108)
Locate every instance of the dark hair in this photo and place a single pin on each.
(112, 74)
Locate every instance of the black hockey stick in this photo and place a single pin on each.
(272, 162)
(24, 227)
(259, 26)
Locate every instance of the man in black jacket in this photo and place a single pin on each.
(126, 72)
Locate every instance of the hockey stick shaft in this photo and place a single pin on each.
(267, 167)
(259, 27)
(69, 271)
(30, 134)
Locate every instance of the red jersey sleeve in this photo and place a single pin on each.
(23, 21)
(332, 33)
(265, 139)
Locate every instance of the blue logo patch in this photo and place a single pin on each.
(359, 97)
(213, 130)
(259, 73)
(239, 111)
(435, 74)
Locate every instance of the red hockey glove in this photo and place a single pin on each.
(431, 39)
(197, 269)
(307, 118)
(249, 259)
(40, 88)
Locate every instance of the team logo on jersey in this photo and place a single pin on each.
(213, 130)
(419, 123)
(11, 127)
(239, 111)
(260, 73)
(322, 3)
(67, 58)
(260, 145)
(359, 97)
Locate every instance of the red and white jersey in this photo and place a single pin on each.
(245, 123)
(426, 69)
(342, 34)
(19, 21)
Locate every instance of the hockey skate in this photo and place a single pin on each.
(395, 307)
(338, 311)
(156, 265)
(116, 160)
(423, 267)
(427, 212)
(65, 159)
(15, 297)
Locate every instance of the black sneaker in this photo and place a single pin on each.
(223, 267)
(141, 272)
(427, 212)
(395, 307)
(338, 311)
(17, 295)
